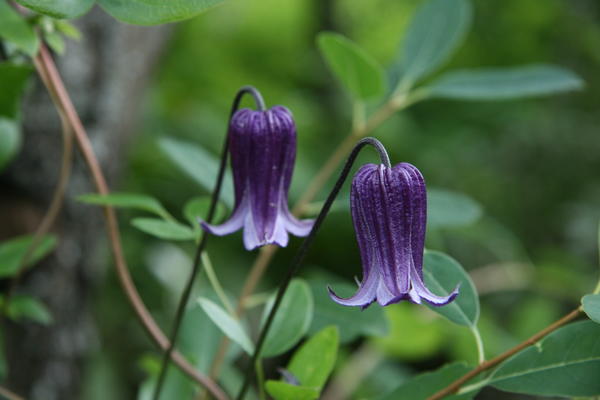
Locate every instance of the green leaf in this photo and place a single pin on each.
(351, 321)
(197, 208)
(23, 307)
(15, 29)
(566, 363)
(503, 83)
(13, 79)
(442, 273)
(437, 29)
(228, 325)
(127, 200)
(67, 29)
(55, 41)
(427, 384)
(59, 8)
(10, 141)
(169, 230)
(12, 252)
(447, 209)
(353, 67)
(285, 391)
(199, 165)
(313, 362)
(153, 12)
(291, 321)
(591, 306)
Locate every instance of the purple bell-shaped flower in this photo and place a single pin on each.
(262, 145)
(389, 207)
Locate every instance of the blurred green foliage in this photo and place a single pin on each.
(531, 165)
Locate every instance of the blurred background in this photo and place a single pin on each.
(529, 168)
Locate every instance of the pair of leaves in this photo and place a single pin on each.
(289, 326)
(436, 30)
(139, 12)
(165, 227)
(311, 365)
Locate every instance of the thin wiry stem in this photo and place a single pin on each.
(455, 386)
(185, 295)
(266, 253)
(49, 74)
(55, 204)
(299, 257)
(479, 344)
(9, 395)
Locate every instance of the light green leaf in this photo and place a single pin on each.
(199, 165)
(67, 29)
(59, 8)
(436, 30)
(13, 79)
(169, 230)
(313, 362)
(591, 306)
(427, 384)
(566, 363)
(285, 391)
(22, 307)
(127, 200)
(447, 209)
(10, 140)
(503, 83)
(153, 12)
(228, 325)
(197, 208)
(351, 321)
(356, 69)
(442, 273)
(16, 30)
(292, 320)
(55, 41)
(12, 252)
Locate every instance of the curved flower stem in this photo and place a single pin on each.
(47, 70)
(266, 253)
(56, 202)
(455, 386)
(185, 295)
(299, 257)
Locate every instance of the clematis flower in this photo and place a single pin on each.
(389, 213)
(262, 145)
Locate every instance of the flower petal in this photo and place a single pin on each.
(419, 291)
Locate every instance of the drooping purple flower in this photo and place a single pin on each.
(389, 207)
(262, 145)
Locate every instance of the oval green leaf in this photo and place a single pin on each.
(24, 307)
(291, 321)
(59, 8)
(591, 306)
(314, 360)
(503, 83)
(154, 12)
(438, 27)
(566, 363)
(230, 326)
(352, 66)
(285, 391)
(199, 165)
(12, 252)
(127, 200)
(169, 230)
(351, 321)
(447, 209)
(442, 274)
